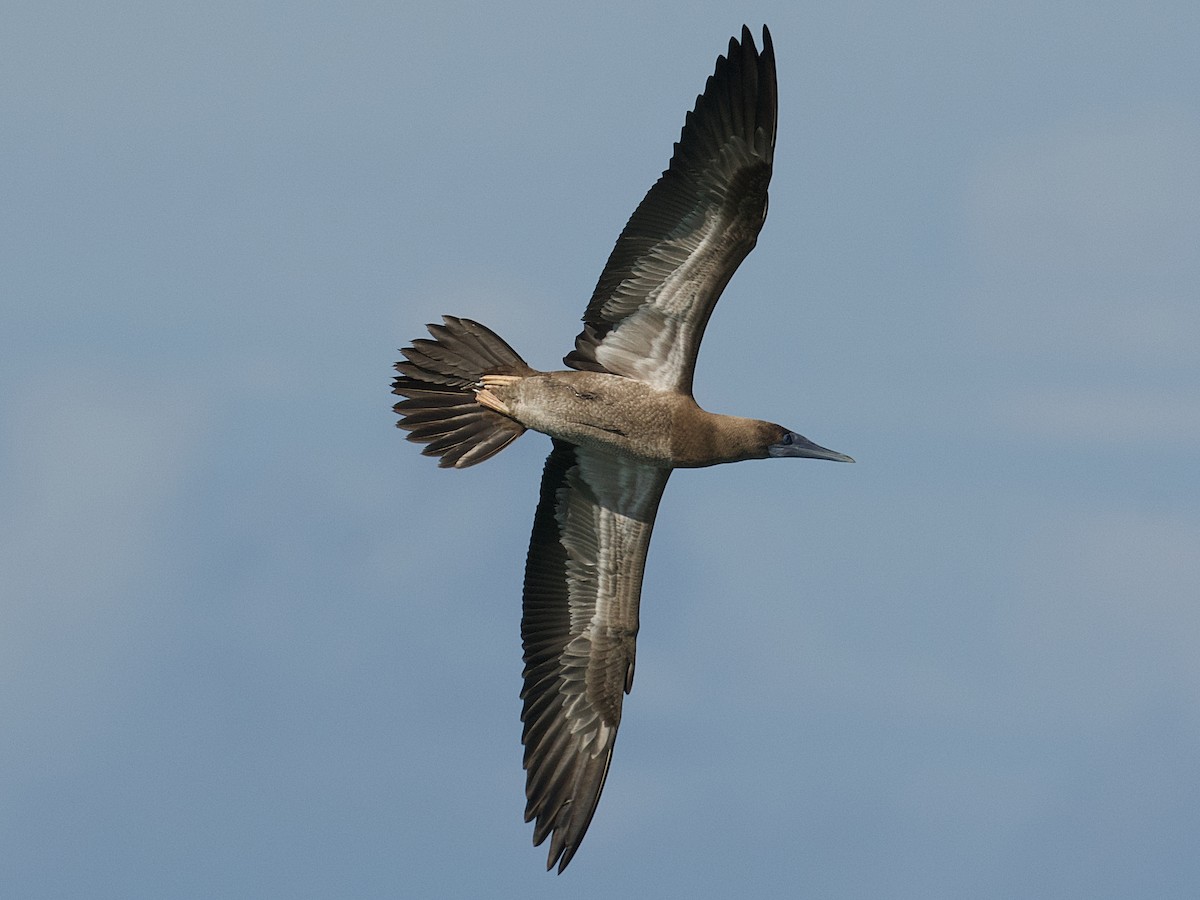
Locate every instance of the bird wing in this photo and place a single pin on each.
(583, 580)
(690, 232)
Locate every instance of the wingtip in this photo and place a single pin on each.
(562, 851)
(568, 854)
(748, 39)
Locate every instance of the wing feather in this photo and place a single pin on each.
(583, 580)
(685, 240)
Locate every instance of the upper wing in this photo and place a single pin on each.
(583, 579)
(690, 232)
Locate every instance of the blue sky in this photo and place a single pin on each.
(252, 644)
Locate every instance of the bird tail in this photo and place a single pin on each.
(440, 379)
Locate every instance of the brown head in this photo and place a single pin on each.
(724, 439)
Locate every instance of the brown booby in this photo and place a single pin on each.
(620, 420)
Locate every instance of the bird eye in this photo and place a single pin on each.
(787, 438)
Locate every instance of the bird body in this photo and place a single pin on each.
(630, 419)
(621, 420)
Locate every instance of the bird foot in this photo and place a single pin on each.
(489, 381)
(485, 397)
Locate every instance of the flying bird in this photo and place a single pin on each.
(621, 419)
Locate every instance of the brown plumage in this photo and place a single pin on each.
(438, 377)
(621, 421)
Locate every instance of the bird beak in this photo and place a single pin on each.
(798, 445)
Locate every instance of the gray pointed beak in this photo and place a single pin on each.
(798, 445)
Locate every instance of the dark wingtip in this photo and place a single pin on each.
(748, 40)
(568, 853)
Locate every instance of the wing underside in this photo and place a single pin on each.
(583, 581)
(685, 240)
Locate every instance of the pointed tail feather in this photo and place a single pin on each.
(439, 378)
